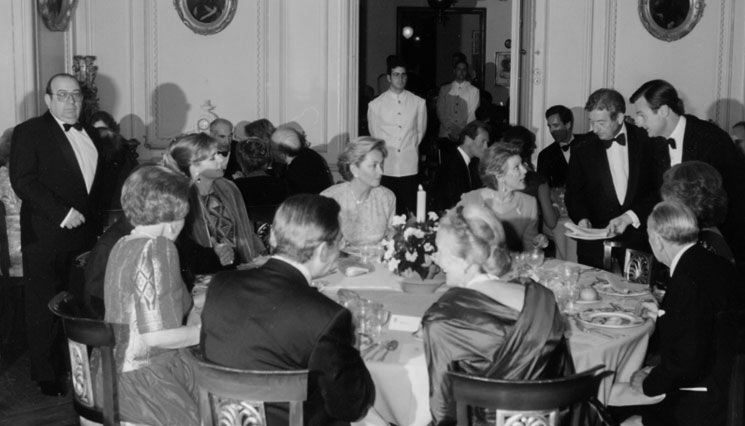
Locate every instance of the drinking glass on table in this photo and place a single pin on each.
(570, 276)
(379, 321)
(534, 258)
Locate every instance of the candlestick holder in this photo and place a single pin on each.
(85, 72)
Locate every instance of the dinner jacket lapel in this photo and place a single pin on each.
(600, 159)
(690, 140)
(634, 153)
(62, 144)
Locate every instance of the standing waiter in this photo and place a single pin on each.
(53, 168)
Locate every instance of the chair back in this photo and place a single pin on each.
(729, 364)
(83, 333)
(231, 396)
(638, 266)
(535, 401)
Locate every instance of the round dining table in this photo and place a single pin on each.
(401, 379)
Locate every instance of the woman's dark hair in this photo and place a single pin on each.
(261, 128)
(523, 138)
(697, 185)
(252, 154)
(107, 119)
(188, 149)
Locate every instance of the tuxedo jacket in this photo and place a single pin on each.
(269, 318)
(589, 190)
(45, 174)
(552, 165)
(454, 177)
(704, 141)
(702, 285)
(308, 173)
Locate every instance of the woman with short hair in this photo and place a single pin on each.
(218, 216)
(503, 174)
(366, 207)
(255, 184)
(698, 186)
(146, 302)
(484, 326)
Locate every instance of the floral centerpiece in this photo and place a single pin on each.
(410, 247)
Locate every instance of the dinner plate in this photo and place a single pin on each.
(606, 288)
(610, 319)
(587, 237)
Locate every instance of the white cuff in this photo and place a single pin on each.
(64, 221)
(634, 218)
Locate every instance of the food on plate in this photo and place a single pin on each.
(588, 294)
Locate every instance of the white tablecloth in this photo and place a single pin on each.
(402, 386)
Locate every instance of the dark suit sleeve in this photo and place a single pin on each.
(650, 178)
(447, 187)
(24, 174)
(575, 196)
(684, 340)
(346, 386)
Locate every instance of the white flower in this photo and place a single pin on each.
(389, 252)
(411, 257)
(428, 248)
(432, 216)
(415, 232)
(393, 264)
(408, 232)
(398, 220)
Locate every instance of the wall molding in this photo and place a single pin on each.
(724, 63)
(261, 21)
(151, 103)
(610, 41)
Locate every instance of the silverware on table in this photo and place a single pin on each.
(390, 346)
(367, 350)
(591, 330)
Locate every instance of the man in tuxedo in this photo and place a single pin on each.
(684, 137)
(222, 130)
(459, 165)
(270, 318)
(611, 177)
(307, 171)
(53, 168)
(702, 285)
(553, 161)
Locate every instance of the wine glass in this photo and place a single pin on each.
(535, 258)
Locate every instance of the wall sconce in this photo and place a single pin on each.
(85, 72)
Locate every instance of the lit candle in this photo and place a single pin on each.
(421, 204)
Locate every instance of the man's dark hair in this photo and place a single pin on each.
(459, 56)
(394, 62)
(107, 119)
(739, 124)
(472, 130)
(522, 138)
(455, 65)
(658, 93)
(606, 99)
(565, 114)
(48, 90)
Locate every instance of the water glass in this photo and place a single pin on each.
(534, 258)
(381, 317)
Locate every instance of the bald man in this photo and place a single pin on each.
(307, 171)
(222, 130)
(54, 169)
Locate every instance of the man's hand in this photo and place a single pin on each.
(73, 219)
(637, 379)
(585, 223)
(618, 225)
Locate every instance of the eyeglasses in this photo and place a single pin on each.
(224, 153)
(63, 96)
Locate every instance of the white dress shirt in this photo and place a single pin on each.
(456, 106)
(86, 154)
(676, 155)
(618, 160)
(400, 120)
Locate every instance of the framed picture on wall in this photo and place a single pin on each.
(503, 61)
(206, 16)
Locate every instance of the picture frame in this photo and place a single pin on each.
(206, 17)
(503, 61)
(670, 21)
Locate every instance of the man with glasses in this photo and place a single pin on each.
(53, 168)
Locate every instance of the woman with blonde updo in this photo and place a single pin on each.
(503, 174)
(485, 326)
(366, 207)
(218, 216)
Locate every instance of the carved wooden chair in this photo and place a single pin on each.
(83, 333)
(531, 402)
(230, 396)
(638, 266)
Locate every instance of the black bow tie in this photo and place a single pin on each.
(671, 142)
(77, 126)
(566, 147)
(620, 139)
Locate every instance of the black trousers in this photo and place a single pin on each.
(46, 273)
(405, 189)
